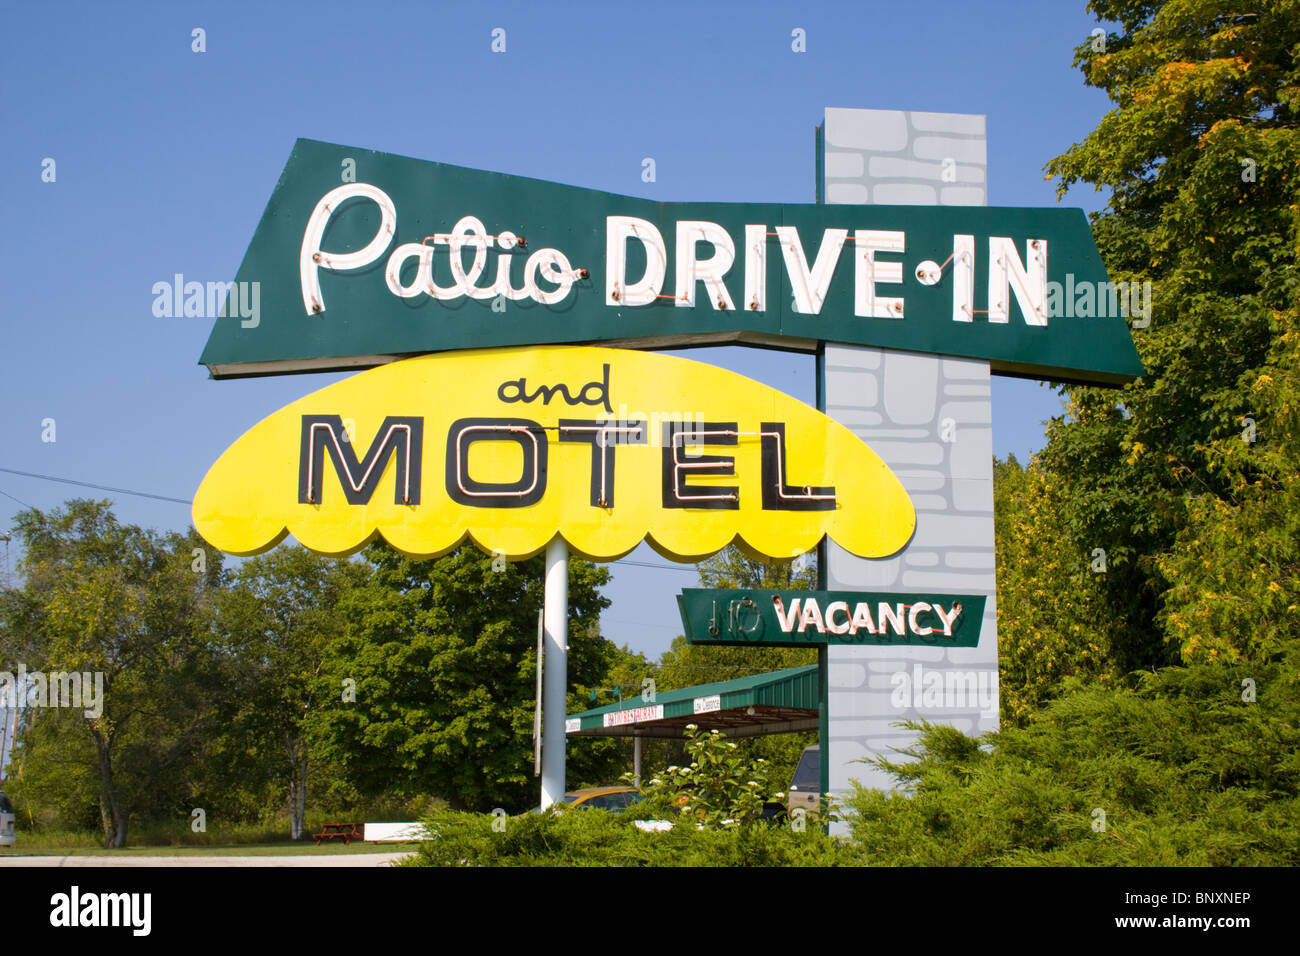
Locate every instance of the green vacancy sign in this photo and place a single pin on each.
(804, 618)
(362, 257)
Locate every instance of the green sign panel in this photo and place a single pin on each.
(362, 257)
(804, 618)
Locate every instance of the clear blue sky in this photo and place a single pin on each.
(165, 158)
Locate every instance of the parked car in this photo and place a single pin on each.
(7, 835)
(613, 799)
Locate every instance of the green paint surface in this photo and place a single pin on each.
(363, 323)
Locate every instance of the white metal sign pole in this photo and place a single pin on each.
(555, 675)
(537, 710)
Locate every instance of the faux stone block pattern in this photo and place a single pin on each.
(900, 157)
(930, 419)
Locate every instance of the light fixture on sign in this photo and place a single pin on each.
(929, 272)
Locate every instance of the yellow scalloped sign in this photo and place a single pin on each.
(509, 447)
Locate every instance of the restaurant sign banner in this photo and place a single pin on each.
(362, 257)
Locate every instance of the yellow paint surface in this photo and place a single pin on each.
(249, 499)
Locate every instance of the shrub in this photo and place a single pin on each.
(585, 837)
(1178, 769)
(717, 787)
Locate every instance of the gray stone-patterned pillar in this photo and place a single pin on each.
(892, 157)
(930, 419)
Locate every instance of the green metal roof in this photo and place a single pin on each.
(774, 703)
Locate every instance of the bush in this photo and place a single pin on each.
(717, 786)
(1176, 770)
(586, 837)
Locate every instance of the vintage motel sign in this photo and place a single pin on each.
(510, 447)
(411, 257)
(499, 434)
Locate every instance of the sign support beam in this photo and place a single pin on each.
(537, 710)
(555, 677)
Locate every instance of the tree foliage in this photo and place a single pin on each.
(585, 837)
(1234, 570)
(1192, 766)
(716, 785)
(686, 665)
(1050, 604)
(279, 616)
(128, 606)
(1182, 476)
(443, 656)
(240, 692)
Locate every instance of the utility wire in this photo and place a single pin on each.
(666, 627)
(688, 568)
(19, 500)
(87, 484)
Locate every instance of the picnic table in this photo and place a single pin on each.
(347, 832)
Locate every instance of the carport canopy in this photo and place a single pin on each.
(778, 702)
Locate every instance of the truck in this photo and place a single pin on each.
(804, 792)
(806, 784)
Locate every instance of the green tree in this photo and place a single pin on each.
(1049, 597)
(278, 617)
(132, 608)
(443, 655)
(1200, 157)
(685, 665)
(732, 568)
(1234, 571)
(603, 759)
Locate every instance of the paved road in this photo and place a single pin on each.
(324, 859)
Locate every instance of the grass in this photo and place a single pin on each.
(283, 848)
(237, 839)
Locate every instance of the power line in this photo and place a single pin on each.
(88, 484)
(19, 500)
(666, 627)
(688, 568)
